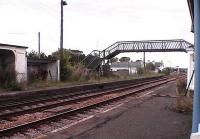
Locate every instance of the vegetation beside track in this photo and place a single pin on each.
(93, 79)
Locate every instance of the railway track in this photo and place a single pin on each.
(72, 104)
(67, 92)
(12, 110)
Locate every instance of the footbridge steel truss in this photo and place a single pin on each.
(176, 45)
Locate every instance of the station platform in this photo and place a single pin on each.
(144, 117)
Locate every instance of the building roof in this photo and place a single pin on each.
(159, 64)
(191, 8)
(35, 61)
(10, 45)
(75, 51)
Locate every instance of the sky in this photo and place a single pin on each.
(96, 24)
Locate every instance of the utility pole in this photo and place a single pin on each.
(39, 44)
(63, 3)
(128, 68)
(144, 62)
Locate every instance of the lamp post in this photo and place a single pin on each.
(62, 4)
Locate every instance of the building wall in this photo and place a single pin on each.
(131, 70)
(36, 72)
(43, 69)
(54, 71)
(190, 70)
(21, 65)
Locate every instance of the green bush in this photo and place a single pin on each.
(75, 77)
(166, 71)
(10, 82)
(140, 71)
(66, 73)
(13, 86)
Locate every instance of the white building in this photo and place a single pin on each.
(130, 67)
(159, 66)
(13, 58)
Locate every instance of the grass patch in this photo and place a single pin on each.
(90, 79)
(9, 82)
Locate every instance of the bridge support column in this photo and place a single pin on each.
(196, 101)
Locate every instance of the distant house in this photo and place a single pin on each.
(126, 67)
(76, 52)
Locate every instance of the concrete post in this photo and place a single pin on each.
(58, 70)
(61, 40)
(196, 101)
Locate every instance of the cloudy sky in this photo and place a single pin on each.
(96, 24)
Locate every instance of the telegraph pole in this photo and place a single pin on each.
(39, 44)
(144, 62)
(62, 4)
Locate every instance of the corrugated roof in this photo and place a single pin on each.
(10, 45)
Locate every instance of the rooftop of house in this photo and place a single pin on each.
(159, 64)
(76, 51)
(37, 61)
(10, 45)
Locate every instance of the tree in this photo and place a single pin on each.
(71, 59)
(150, 66)
(166, 71)
(124, 59)
(36, 55)
(66, 55)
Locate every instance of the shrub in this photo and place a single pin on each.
(181, 86)
(10, 82)
(150, 66)
(13, 86)
(140, 71)
(66, 73)
(183, 103)
(166, 71)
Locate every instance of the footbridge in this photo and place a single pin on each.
(176, 45)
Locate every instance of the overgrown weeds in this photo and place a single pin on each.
(183, 104)
(9, 82)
